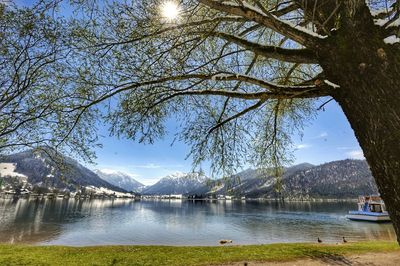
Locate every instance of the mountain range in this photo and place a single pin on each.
(333, 180)
(39, 168)
(120, 179)
(176, 183)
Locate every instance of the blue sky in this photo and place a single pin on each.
(329, 137)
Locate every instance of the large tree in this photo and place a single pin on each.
(241, 76)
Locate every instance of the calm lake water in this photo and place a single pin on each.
(175, 222)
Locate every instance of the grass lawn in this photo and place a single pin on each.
(167, 255)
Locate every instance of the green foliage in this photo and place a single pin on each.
(41, 105)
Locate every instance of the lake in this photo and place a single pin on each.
(176, 222)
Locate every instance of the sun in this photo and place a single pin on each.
(170, 10)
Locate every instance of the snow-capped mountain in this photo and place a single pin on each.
(38, 169)
(177, 183)
(120, 179)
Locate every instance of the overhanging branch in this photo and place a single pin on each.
(272, 91)
(305, 56)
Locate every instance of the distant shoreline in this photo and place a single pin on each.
(154, 198)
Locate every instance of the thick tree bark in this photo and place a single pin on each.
(373, 110)
(368, 71)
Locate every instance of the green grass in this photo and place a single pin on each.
(167, 255)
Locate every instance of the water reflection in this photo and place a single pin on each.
(176, 222)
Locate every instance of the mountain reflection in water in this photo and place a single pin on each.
(175, 222)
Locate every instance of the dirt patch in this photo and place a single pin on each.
(368, 259)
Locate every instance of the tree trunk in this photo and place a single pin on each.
(374, 115)
(368, 71)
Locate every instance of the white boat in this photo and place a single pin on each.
(370, 208)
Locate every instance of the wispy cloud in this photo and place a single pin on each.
(147, 166)
(345, 148)
(322, 135)
(155, 166)
(356, 154)
(302, 146)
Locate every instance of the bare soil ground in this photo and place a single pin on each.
(368, 259)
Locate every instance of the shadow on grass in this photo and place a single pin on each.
(329, 258)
